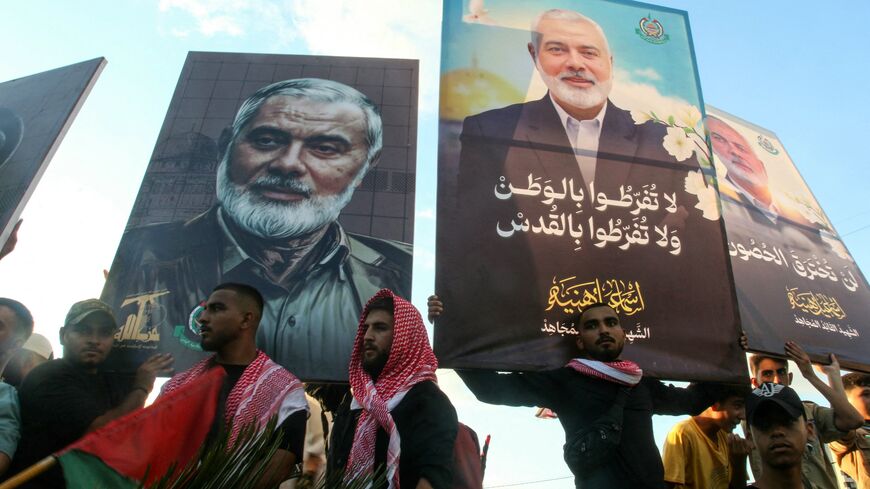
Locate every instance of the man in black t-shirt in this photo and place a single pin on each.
(63, 399)
(255, 389)
(398, 419)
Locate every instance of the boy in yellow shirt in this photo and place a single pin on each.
(702, 452)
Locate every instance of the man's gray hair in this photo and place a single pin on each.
(568, 15)
(319, 90)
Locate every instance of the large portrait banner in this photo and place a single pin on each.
(794, 277)
(573, 169)
(291, 174)
(35, 113)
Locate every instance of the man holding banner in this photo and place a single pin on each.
(596, 391)
(63, 399)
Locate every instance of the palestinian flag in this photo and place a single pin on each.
(141, 447)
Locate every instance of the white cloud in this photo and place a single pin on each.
(648, 73)
(180, 33)
(217, 25)
(633, 95)
(374, 29)
(215, 17)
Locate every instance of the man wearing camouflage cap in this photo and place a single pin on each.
(63, 399)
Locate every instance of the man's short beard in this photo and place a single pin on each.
(608, 355)
(272, 219)
(376, 366)
(581, 98)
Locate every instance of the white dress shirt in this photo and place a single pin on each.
(584, 136)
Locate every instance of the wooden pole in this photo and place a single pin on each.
(29, 473)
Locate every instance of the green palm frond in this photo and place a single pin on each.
(218, 467)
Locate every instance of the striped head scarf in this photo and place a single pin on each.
(410, 362)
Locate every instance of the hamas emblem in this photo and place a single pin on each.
(651, 31)
(192, 327)
(767, 145)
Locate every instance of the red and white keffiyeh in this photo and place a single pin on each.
(623, 372)
(411, 361)
(265, 389)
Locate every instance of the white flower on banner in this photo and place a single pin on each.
(688, 116)
(640, 117)
(678, 144)
(708, 200)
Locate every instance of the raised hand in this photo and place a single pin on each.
(436, 307)
(832, 369)
(738, 448)
(156, 365)
(800, 357)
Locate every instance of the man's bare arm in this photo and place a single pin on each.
(738, 449)
(5, 462)
(142, 385)
(278, 469)
(846, 417)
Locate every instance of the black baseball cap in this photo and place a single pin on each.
(768, 392)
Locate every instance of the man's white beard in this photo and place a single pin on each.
(745, 179)
(581, 98)
(272, 219)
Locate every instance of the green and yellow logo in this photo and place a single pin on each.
(767, 145)
(651, 30)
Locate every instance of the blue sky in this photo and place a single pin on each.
(798, 68)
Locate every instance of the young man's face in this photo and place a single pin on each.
(772, 370)
(601, 335)
(89, 342)
(779, 439)
(730, 412)
(859, 397)
(222, 320)
(8, 326)
(377, 341)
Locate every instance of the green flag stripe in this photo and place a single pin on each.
(84, 471)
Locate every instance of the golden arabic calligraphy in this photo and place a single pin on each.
(815, 304)
(572, 296)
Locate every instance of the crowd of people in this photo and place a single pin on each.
(391, 418)
(395, 420)
(785, 438)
